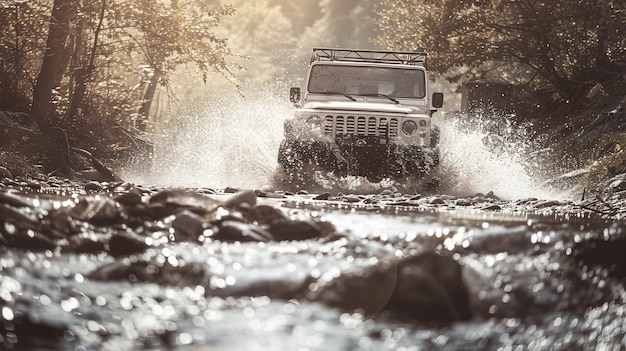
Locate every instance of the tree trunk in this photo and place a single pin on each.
(57, 143)
(148, 96)
(55, 45)
(16, 50)
(82, 74)
(602, 59)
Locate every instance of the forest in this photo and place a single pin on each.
(79, 78)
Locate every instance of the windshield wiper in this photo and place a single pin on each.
(383, 95)
(335, 93)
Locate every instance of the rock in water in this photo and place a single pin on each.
(606, 251)
(430, 288)
(427, 287)
(179, 199)
(188, 226)
(294, 230)
(98, 210)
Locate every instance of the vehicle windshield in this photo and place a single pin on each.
(367, 80)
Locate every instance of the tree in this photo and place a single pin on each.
(547, 42)
(171, 35)
(97, 51)
(20, 53)
(346, 23)
(48, 74)
(260, 31)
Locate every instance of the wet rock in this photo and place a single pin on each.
(436, 201)
(221, 215)
(131, 198)
(366, 291)
(123, 244)
(153, 211)
(463, 202)
(10, 214)
(489, 196)
(606, 251)
(117, 244)
(491, 207)
(427, 287)
(61, 222)
(242, 200)
(86, 244)
(231, 231)
(27, 239)
(352, 198)
(294, 230)
(12, 200)
(513, 240)
(323, 197)
(19, 230)
(264, 214)
(430, 288)
(98, 210)
(172, 200)
(188, 226)
(547, 203)
(93, 186)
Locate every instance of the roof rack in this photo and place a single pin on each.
(380, 56)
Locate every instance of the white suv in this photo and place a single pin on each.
(363, 113)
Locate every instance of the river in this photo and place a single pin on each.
(526, 286)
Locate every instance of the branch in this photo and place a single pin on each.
(98, 165)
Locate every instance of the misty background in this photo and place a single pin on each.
(276, 38)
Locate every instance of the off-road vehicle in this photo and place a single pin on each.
(362, 113)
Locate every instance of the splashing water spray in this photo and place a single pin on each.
(229, 142)
(233, 142)
(490, 153)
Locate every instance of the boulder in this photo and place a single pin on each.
(427, 287)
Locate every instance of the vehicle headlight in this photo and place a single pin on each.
(314, 122)
(409, 127)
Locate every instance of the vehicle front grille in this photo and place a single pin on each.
(361, 126)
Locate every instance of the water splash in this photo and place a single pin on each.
(491, 153)
(232, 141)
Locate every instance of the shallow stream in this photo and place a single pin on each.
(527, 291)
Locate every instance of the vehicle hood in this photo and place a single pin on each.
(362, 106)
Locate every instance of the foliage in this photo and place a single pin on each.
(545, 43)
(256, 30)
(610, 157)
(16, 163)
(21, 49)
(115, 51)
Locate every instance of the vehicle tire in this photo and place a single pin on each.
(374, 178)
(295, 165)
(435, 135)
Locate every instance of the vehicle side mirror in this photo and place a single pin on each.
(437, 100)
(294, 94)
